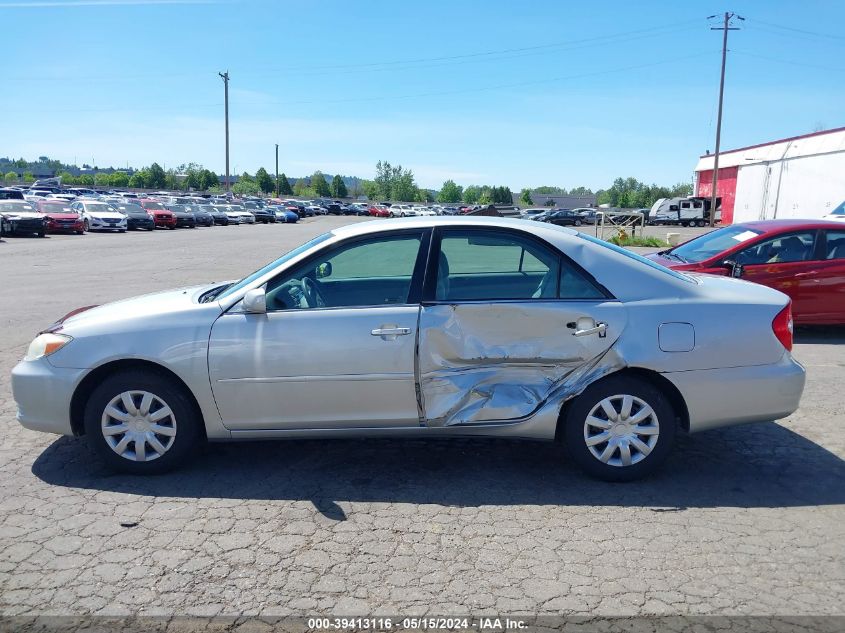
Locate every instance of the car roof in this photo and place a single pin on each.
(363, 228)
(787, 224)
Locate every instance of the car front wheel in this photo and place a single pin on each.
(140, 422)
(620, 429)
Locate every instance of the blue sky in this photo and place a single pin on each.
(486, 91)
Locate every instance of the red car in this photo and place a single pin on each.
(804, 259)
(378, 211)
(163, 217)
(60, 217)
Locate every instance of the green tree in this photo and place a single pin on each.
(158, 179)
(319, 184)
(264, 181)
(28, 177)
(383, 180)
(119, 179)
(102, 180)
(86, 180)
(402, 185)
(208, 180)
(581, 191)
(299, 188)
(246, 187)
(550, 191)
(450, 192)
(525, 197)
(370, 189)
(172, 180)
(67, 178)
(11, 176)
(472, 194)
(21, 163)
(339, 187)
(139, 179)
(284, 186)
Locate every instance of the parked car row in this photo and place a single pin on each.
(22, 212)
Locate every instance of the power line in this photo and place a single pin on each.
(487, 88)
(726, 26)
(494, 55)
(804, 31)
(788, 61)
(383, 97)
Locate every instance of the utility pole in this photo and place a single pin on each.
(726, 26)
(277, 170)
(225, 77)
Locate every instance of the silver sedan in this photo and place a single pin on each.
(420, 328)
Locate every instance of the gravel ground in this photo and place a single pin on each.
(747, 520)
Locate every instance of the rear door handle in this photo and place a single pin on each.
(390, 333)
(600, 329)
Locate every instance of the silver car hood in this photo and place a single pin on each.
(168, 302)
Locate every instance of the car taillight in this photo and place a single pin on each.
(782, 326)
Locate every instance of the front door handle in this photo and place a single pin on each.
(600, 328)
(389, 333)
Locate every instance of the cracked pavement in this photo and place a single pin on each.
(746, 520)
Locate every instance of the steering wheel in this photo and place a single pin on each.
(313, 295)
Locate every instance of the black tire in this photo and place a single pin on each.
(577, 222)
(187, 421)
(42, 233)
(85, 227)
(580, 409)
(121, 230)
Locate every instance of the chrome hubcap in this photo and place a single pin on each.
(621, 430)
(138, 426)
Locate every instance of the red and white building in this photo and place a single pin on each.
(798, 177)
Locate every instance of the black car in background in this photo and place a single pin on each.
(184, 216)
(202, 217)
(564, 217)
(137, 217)
(262, 214)
(218, 215)
(10, 194)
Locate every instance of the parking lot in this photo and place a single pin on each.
(746, 520)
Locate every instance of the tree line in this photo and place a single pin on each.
(391, 182)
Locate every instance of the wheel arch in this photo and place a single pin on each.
(676, 400)
(86, 387)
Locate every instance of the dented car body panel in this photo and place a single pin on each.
(483, 362)
(429, 360)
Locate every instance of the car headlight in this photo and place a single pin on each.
(45, 344)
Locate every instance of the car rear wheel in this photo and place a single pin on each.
(139, 422)
(620, 429)
(577, 222)
(85, 226)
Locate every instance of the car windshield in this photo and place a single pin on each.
(15, 205)
(153, 206)
(55, 208)
(635, 257)
(713, 243)
(281, 260)
(99, 207)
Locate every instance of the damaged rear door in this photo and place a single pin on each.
(508, 324)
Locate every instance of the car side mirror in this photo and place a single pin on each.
(255, 301)
(736, 268)
(323, 270)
